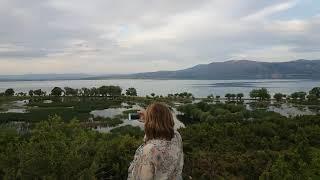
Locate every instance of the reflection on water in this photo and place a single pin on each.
(291, 111)
(47, 101)
(15, 107)
(16, 111)
(136, 123)
(107, 113)
(111, 112)
(286, 109)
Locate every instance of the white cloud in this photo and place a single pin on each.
(104, 36)
(278, 53)
(267, 11)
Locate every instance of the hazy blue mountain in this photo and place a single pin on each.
(238, 69)
(234, 69)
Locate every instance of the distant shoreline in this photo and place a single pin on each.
(93, 79)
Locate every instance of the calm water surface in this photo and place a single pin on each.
(200, 88)
(290, 110)
(111, 112)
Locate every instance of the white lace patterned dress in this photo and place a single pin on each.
(158, 160)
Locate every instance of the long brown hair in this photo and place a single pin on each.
(158, 122)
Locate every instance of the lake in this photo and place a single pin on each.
(200, 88)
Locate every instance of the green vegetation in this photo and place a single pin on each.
(70, 91)
(106, 121)
(225, 141)
(315, 91)
(233, 97)
(39, 114)
(67, 108)
(261, 94)
(299, 95)
(128, 130)
(37, 92)
(222, 140)
(240, 96)
(9, 92)
(58, 150)
(131, 92)
(279, 97)
(56, 91)
(112, 91)
(183, 97)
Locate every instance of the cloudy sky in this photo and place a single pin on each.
(124, 36)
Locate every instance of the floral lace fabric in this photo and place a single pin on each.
(158, 159)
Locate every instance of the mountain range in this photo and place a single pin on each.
(233, 69)
(237, 69)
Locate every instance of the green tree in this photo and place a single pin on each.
(312, 97)
(302, 95)
(279, 170)
(85, 92)
(38, 92)
(115, 91)
(70, 91)
(9, 92)
(210, 97)
(261, 93)
(56, 91)
(185, 95)
(94, 91)
(225, 145)
(112, 91)
(299, 95)
(114, 156)
(278, 96)
(103, 90)
(228, 96)
(170, 95)
(240, 96)
(254, 94)
(131, 92)
(233, 96)
(315, 91)
(294, 96)
(58, 150)
(31, 93)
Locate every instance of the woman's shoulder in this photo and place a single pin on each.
(176, 138)
(153, 146)
(148, 147)
(177, 135)
(151, 151)
(156, 144)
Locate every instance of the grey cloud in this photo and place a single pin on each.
(184, 32)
